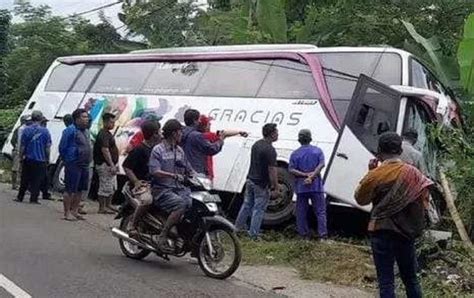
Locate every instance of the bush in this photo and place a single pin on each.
(8, 118)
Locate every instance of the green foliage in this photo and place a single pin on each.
(368, 22)
(466, 56)
(164, 23)
(37, 41)
(272, 19)
(4, 29)
(431, 46)
(457, 154)
(35, 44)
(218, 27)
(7, 121)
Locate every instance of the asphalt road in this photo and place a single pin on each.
(44, 256)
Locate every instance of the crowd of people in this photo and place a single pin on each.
(160, 157)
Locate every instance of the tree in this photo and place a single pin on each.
(36, 43)
(41, 38)
(164, 23)
(369, 22)
(271, 19)
(227, 27)
(96, 39)
(4, 28)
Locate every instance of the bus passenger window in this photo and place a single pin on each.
(289, 79)
(125, 78)
(233, 78)
(174, 78)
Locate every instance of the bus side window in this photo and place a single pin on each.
(421, 77)
(62, 77)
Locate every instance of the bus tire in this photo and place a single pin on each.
(58, 177)
(281, 209)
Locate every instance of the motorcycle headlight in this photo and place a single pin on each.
(206, 183)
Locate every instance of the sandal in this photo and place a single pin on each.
(78, 217)
(69, 219)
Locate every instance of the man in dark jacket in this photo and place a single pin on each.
(196, 147)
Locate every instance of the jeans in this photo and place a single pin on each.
(318, 202)
(32, 176)
(388, 247)
(254, 205)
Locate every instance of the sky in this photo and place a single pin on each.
(68, 7)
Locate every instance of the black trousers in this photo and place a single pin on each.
(45, 187)
(32, 176)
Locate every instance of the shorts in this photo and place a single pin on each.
(107, 180)
(172, 200)
(76, 178)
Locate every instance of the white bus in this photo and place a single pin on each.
(244, 87)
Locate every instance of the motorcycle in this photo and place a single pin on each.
(202, 232)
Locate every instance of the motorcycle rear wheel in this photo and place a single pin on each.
(208, 263)
(128, 249)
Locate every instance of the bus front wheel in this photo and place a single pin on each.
(281, 209)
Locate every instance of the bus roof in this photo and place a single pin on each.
(220, 51)
(229, 49)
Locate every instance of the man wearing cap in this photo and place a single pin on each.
(306, 164)
(15, 141)
(399, 194)
(34, 150)
(195, 146)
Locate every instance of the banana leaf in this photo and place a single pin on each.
(465, 56)
(431, 45)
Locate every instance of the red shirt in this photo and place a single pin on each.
(136, 140)
(212, 137)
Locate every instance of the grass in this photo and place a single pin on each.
(341, 262)
(338, 263)
(5, 168)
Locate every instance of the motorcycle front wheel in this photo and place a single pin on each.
(128, 249)
(219, 253)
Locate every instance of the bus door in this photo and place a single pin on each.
(374, 109)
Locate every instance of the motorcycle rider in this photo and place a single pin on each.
(138, 174)
(169, 167)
